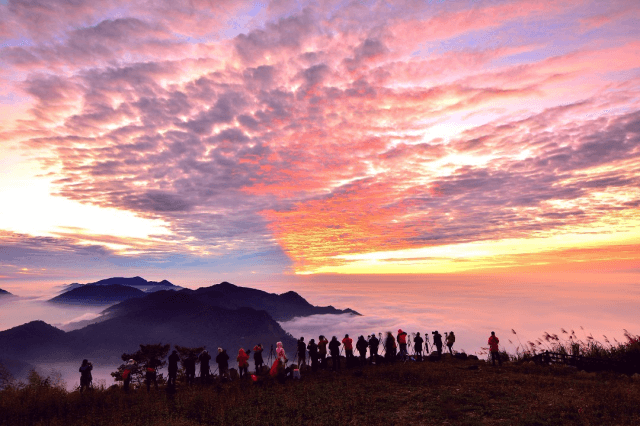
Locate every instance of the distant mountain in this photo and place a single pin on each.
(222, 315)
(98, 294)
(34, 340)
(109, 290)
(281, 307)
(179, 318)
(4, 293)
(137, 282)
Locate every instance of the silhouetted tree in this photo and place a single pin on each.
(6, 378)
(145, 354)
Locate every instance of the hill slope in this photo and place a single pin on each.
(447, 392)
(97, 294)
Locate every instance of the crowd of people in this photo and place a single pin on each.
(381, 349)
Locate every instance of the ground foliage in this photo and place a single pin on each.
(450, 391)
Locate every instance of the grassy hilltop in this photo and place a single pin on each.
(446, 392)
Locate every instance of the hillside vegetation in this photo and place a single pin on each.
(447, 392)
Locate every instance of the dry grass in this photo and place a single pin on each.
(450, 392)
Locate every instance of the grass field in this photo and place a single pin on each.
(447, 392)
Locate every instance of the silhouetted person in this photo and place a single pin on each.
(417, 344)
(493, 347)
(322, 351)
(373, 348)
(204, 359)
(437, 341)
(348, 350)
(257, 356)
(190, 368)
(243, 362)
(223, 362)
(85, 375)
(313, 354)
(302, 351)
(127, 373)
(173, 368)
(402, 341)
(451, 339)
(361, 346)
(334, 349)
(151, 373)
(390, 347)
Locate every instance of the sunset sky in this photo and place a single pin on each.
(221, 140)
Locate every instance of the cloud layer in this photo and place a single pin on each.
(334, 130)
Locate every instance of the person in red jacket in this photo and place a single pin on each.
(493, 347)
(348, 349)
(243, 362)
(402, 341)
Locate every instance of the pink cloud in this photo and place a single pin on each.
(325, 138)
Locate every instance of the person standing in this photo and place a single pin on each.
(151, 373)
(390, 347)
(402, 341)
(302, 352)
(313, 354)
(361, 346)
(127, 373)
(173, 368)
(334, 348)
(243, 362)
(204, 359)
(85, 375)
(322, 351)
(348, 350)
(222, 359)
(451, 339)
(373, 348)
(257, 356)
(494, 348)
(437, 341)
(190, 368)
(417, 344)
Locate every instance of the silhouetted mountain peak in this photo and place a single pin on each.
(294, 297)
(98, 294)
(5, 293)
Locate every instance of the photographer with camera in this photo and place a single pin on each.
(85, 375)
(437, 341)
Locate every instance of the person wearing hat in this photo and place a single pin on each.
(85, 375)
(173, 368)
(348, 350)
(402, 341)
